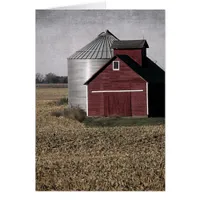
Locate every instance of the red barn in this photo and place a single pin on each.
(129, 84)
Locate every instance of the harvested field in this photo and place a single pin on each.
(50, 93)
(74, 156)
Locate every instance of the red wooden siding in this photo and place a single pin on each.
(116, 104)
(138, 106)
(100, 104)
(135, 54)
(95, 104)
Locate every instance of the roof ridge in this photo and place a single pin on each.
(133, 40)
(107, 31)
(130, 44)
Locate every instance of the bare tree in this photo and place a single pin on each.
(51, 78)
(39, 78)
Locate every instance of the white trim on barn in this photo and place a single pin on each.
(147, 99)
(100, 91)
(86, 99)
(114, 65)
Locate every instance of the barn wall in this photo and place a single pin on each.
(144, 57)
(135, 54)
(124, 79)
(95, 104)
(138, 100)
(156, 99)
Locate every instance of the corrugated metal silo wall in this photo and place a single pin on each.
(79, 71)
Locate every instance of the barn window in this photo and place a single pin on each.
(115, 65)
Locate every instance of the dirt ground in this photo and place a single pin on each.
(74, 156)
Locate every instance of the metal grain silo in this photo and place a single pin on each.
(84, 63)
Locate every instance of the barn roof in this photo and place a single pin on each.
(151, 72)
(129, 44)
(98, 48)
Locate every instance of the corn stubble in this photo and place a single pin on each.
(72, 157)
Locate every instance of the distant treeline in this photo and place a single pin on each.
(50, 78)
(51, 85)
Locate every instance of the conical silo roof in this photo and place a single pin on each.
(99, 48)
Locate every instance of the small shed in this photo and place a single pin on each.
(129, 84)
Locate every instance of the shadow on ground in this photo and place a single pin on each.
(121, 121)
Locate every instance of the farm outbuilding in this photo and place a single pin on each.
(127, 84)
(84, 63)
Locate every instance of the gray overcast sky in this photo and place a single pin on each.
(59, 33)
